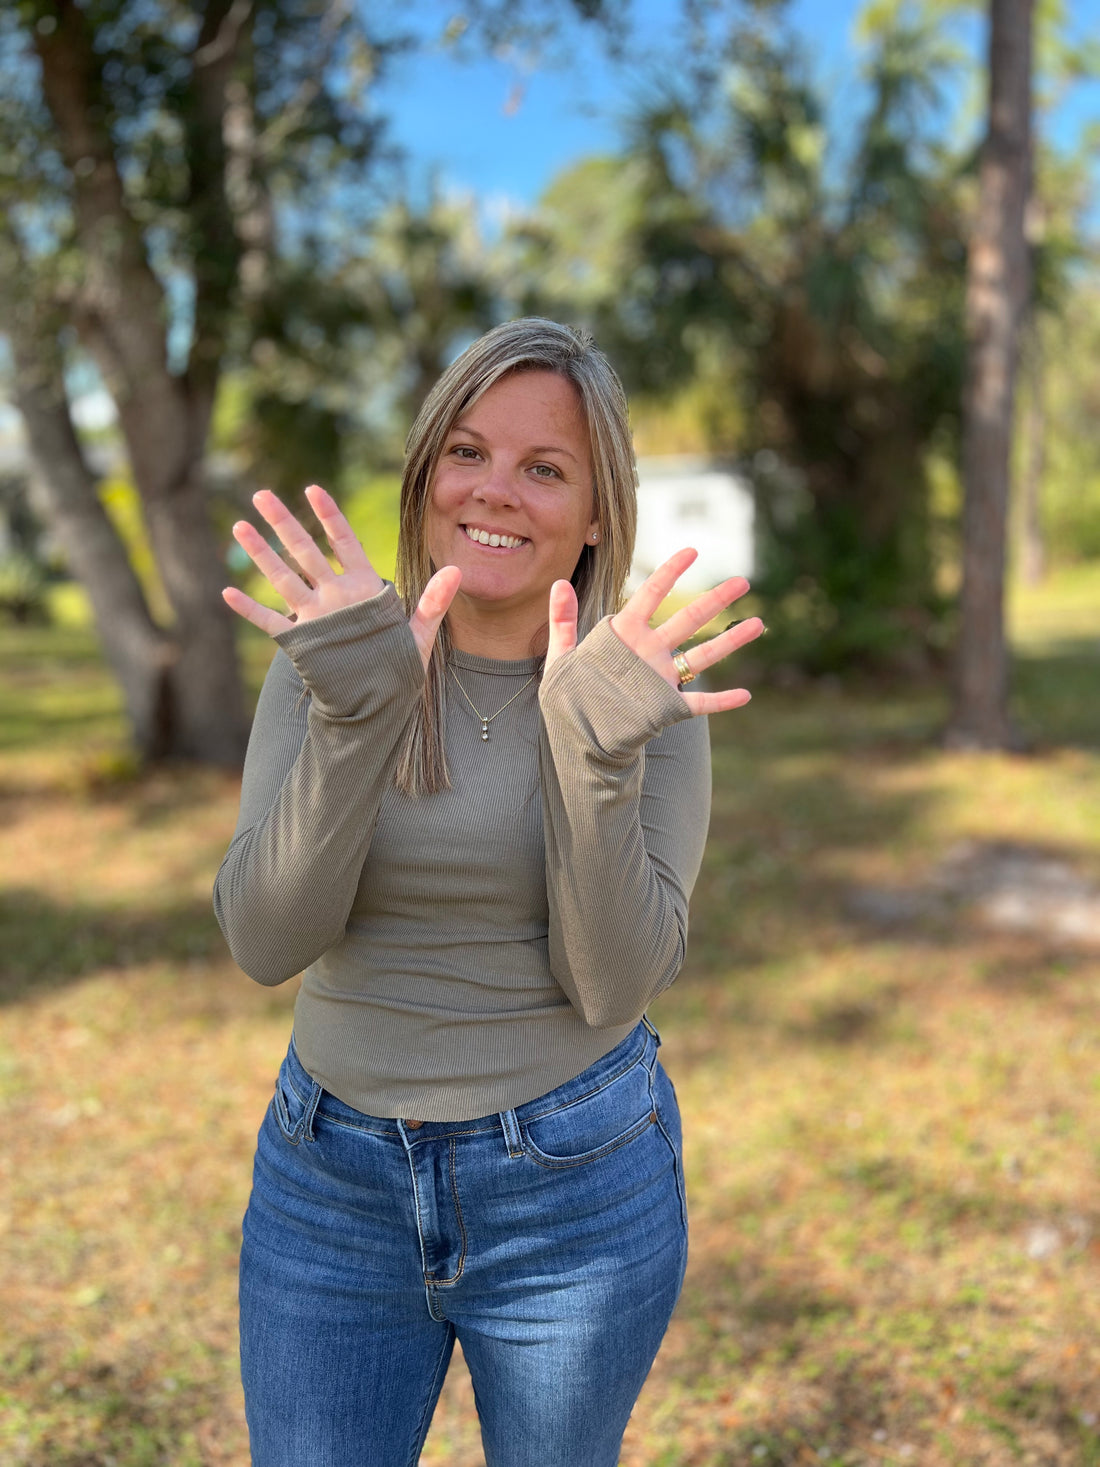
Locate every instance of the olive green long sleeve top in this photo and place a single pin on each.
(466, 951)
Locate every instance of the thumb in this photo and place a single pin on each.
(433, 607)
(563, 622)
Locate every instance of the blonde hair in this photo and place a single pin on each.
(527, 345)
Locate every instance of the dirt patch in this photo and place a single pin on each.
(1003, 886)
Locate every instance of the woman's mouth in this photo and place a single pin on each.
(493, 538)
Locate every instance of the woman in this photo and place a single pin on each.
(474, 820)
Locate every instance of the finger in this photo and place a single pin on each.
(563, 622)
(271, 565)
(722, 702)
(682, 625)
(294, 537)
(433, 607)
(264, 617)
(340, 535)
(706, 654)
(653, 590)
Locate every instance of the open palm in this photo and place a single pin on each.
(658, 645)
(319, 588)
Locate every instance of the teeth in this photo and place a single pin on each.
(483, 537)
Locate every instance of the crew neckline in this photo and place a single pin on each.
(495, 666)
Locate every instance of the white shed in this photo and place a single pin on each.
(693, 501)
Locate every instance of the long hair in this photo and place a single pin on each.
(527, 345)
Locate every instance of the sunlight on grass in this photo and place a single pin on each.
(1064, 608)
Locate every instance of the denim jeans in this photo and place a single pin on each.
(550, 1240)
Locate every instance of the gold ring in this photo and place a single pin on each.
(683, 667)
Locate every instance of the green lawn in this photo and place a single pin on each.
(890, 1106)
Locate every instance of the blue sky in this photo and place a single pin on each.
(502, 131)
(499, 128)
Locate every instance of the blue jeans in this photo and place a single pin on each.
(550, 1240)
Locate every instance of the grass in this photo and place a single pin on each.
(892, 1132)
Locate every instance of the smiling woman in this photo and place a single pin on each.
(512, 506)
(474, 816)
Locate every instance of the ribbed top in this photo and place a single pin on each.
(466, 951)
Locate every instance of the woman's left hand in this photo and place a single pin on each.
(657, 645)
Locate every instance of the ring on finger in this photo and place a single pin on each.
(683, 667)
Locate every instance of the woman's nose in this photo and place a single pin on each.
(498, 486)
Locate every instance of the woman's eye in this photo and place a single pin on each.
(464, 451)
(545, 471)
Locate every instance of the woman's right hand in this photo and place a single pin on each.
(319, 589)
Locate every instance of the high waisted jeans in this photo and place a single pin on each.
(550, 1240)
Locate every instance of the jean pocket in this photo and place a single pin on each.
(293, 1113)
(596, 1124)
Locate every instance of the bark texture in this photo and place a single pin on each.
(1033, 559)
(998, 289)
(139, 654)
(192, 705)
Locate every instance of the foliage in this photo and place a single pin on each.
(22, 588)
(1070, 505)
(372, 508)
(808, 295)
(785, 285)
(182, 193)
(334, 378)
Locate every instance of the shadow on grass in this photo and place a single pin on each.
(90, 1412)
(47, 944)
(759, 897)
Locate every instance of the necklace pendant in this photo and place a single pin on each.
(485, 729)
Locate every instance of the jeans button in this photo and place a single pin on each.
(414, 1125)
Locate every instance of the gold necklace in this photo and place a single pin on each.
(485, 722)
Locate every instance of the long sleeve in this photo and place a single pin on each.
(625, 773)
(336, 702)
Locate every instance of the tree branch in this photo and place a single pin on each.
(139, 653)
(216, 243)
(120, 308)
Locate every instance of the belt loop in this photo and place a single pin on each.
(649, 1026)
(311, 1110)
(510, 1126)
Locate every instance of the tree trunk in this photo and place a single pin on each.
(997, 294)
(140, 655)
(210, 724)
(120, 312)
(1032, 548)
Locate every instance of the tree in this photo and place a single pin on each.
(814, 283)
(140, 163)
(182, 187)
(424, 284)
(998, 285)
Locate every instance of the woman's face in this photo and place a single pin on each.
(512, 503)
